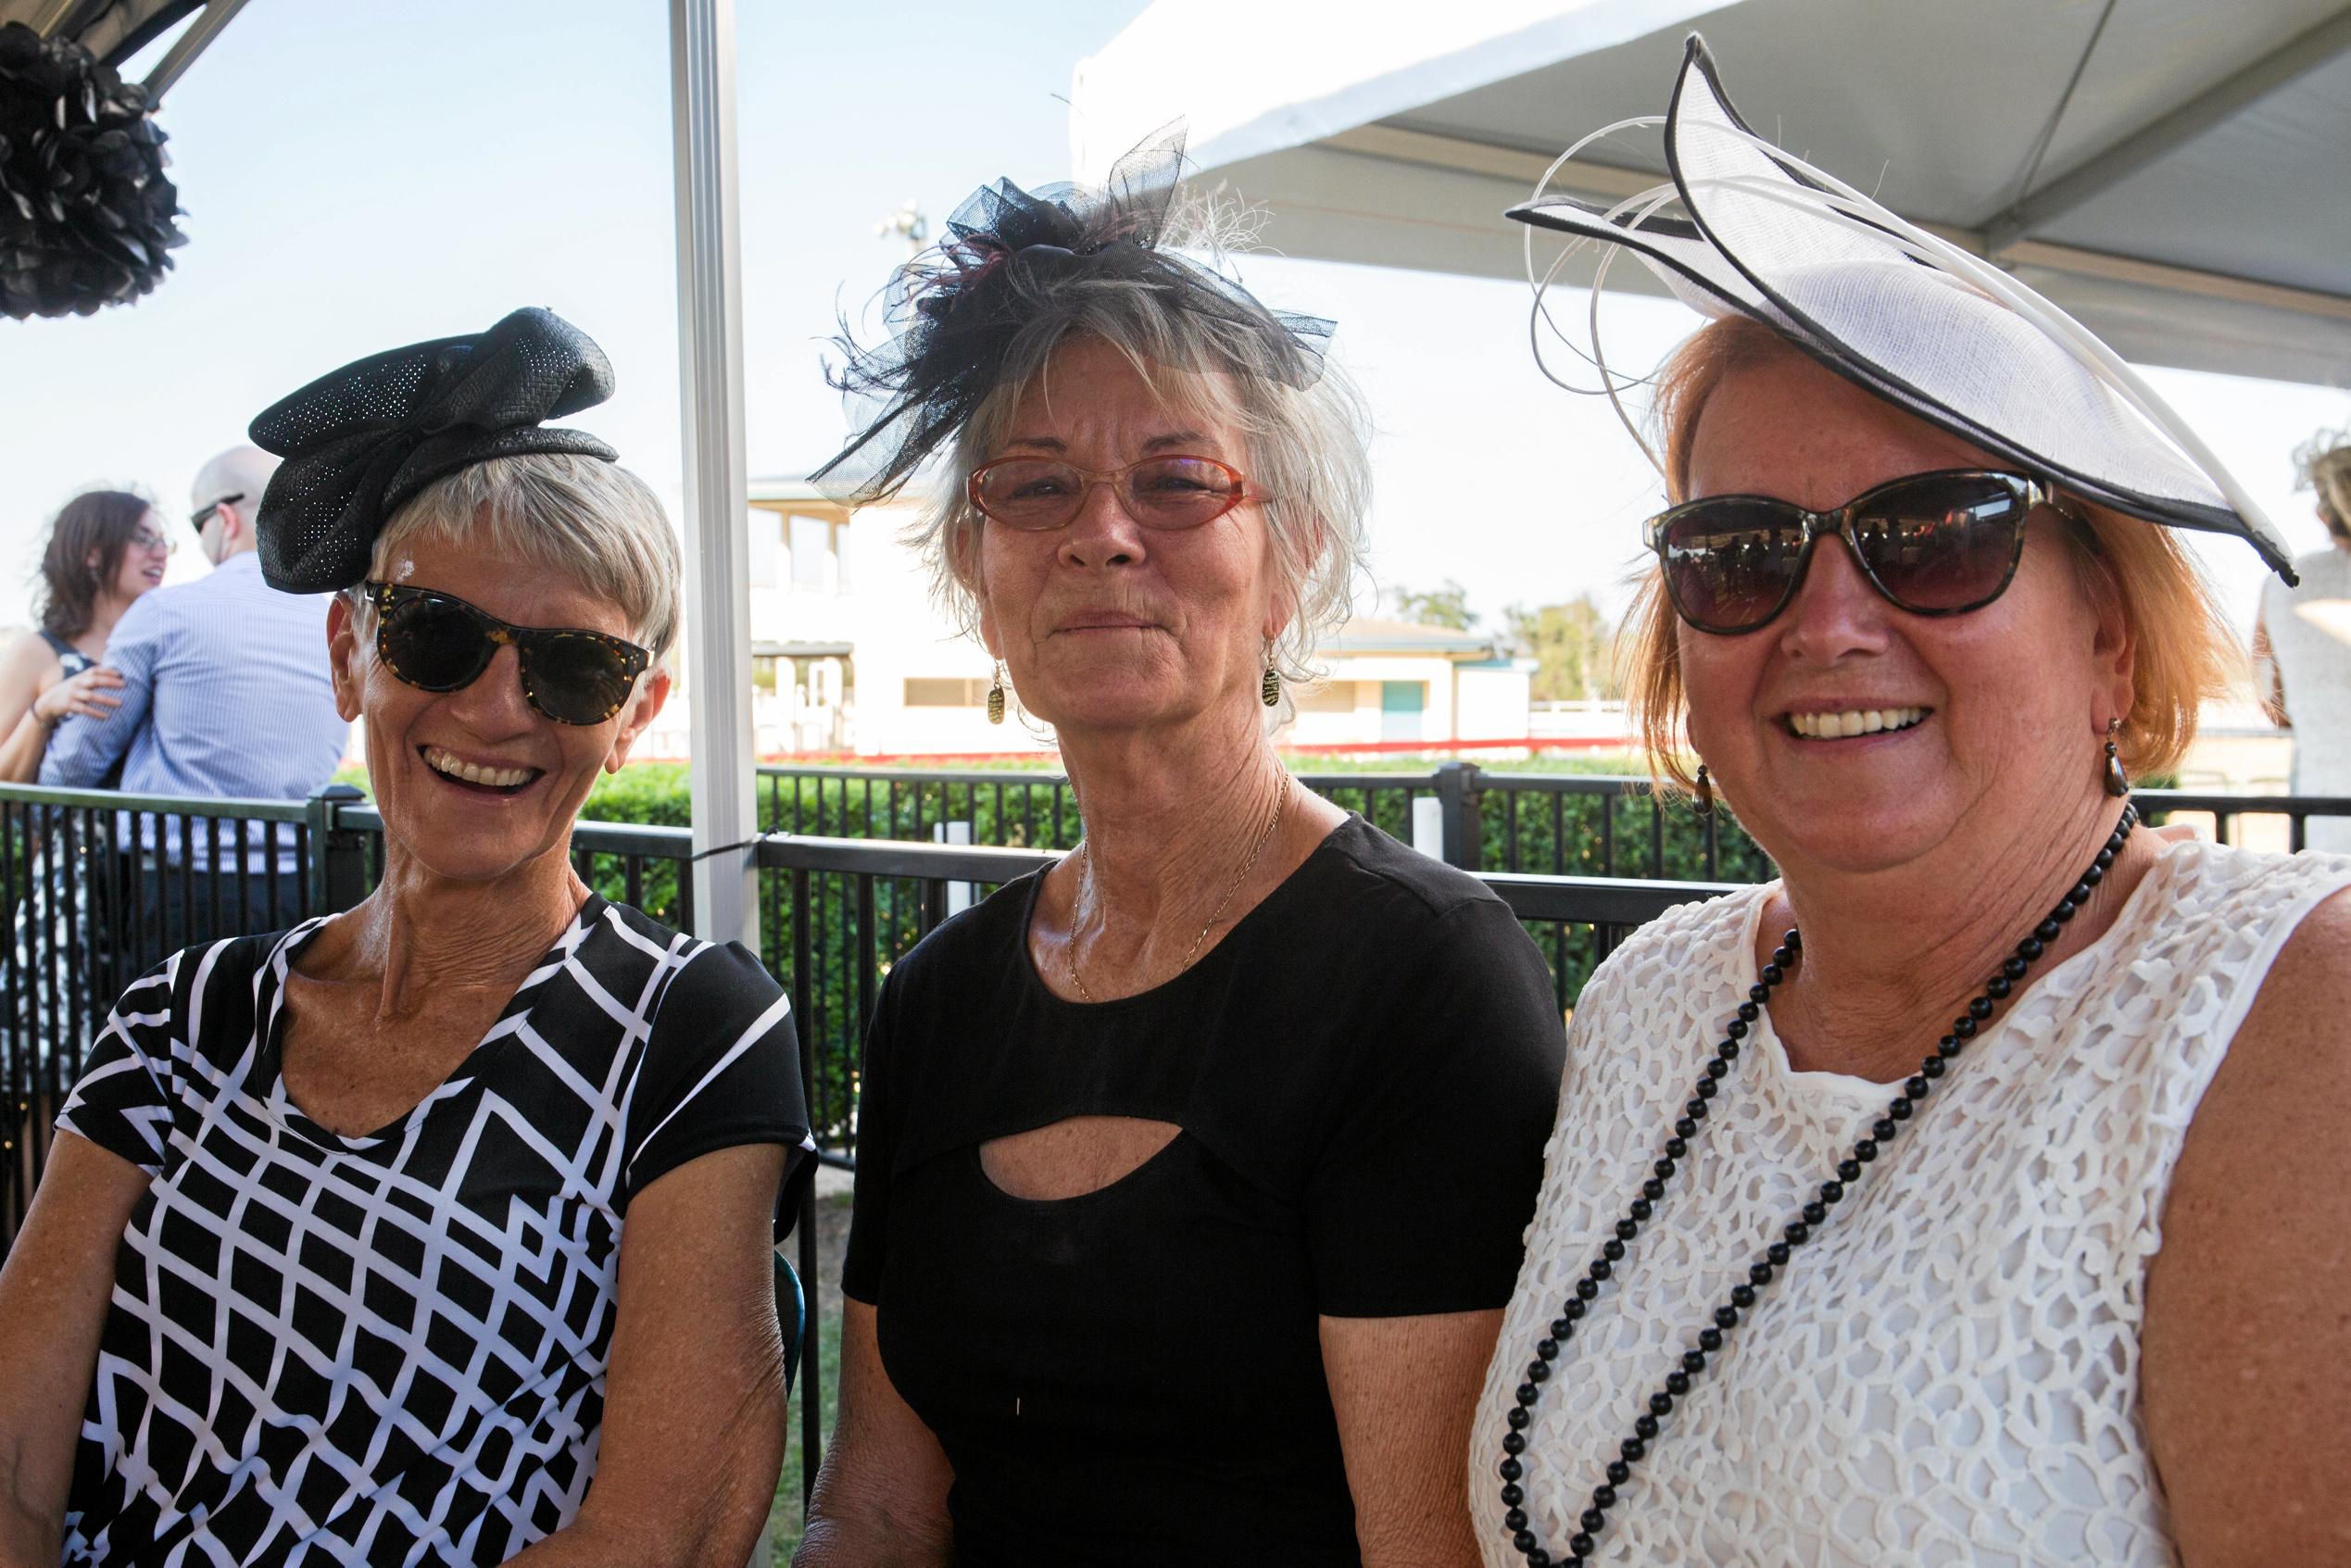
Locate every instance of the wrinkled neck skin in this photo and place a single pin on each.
(421, 941)
(1170, 820)
(1892, 957)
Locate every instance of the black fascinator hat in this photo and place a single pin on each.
(956, 312)
(1746, 228)
(359, 443)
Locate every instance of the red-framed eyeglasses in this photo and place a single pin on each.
(1038, 494)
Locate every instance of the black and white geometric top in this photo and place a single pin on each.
(392, 1349)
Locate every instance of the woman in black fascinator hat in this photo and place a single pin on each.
(1191, 1172)
(438, 1230)
(1975, 1192)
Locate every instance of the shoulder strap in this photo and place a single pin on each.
(73, 659)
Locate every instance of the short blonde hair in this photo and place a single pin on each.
(592, 521)
(2155, 582)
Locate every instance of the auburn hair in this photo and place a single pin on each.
(2154, 579)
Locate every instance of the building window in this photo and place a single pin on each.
(933, 692)
(1334, 696)
(1401, 703)
(814, 567)
(767, 548)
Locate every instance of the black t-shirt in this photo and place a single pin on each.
(1365, 1069)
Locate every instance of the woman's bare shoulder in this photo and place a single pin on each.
(28, 657)
(2288, 1067)
(2244, 1307)
(2306, 997)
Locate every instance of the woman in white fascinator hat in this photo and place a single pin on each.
(1976, 1192)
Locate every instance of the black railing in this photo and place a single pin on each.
(836, 912)
(1587, 824)
(1562, 825)
(2227, 810)
(98, 886)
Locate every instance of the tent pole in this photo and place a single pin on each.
(718, 641)
(216, 16)
(2101, 172)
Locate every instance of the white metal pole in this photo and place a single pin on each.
(1429, 826)
(717, 545)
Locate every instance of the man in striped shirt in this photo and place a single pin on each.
(225, 694)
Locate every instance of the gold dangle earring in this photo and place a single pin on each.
(1705, 792)
(2118, 781)
(1270, 689)
(996, 696)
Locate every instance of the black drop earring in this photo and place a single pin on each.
(1705, 792)
(2118, 781)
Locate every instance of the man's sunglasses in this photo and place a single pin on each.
(1038, 494)
(1932, 543)
(197, 520)
(438, 642)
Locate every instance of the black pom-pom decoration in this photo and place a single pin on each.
(85, 210)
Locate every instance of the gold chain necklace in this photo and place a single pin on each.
(1085, 865)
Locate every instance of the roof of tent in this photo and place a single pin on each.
(115, 30)
(2174, 178)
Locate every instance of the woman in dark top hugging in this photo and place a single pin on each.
(438, 1231)
(1193, 1171)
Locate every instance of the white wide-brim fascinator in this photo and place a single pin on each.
(1747, 229)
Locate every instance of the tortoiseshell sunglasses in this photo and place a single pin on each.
(437, 642)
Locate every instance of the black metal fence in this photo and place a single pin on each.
(98, 886)
(95, 886)
(1591, 825)
(1489, 822)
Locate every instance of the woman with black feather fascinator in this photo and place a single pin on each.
(1147, 1264)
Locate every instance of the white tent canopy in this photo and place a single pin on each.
(2175, 173)
(710, 367)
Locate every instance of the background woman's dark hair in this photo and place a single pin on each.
(97, 523)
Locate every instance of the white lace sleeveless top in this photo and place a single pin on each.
(1948, 1373)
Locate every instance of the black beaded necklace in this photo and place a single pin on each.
(1760, 1273)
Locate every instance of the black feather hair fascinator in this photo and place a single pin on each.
(957, 311)
(360, 442)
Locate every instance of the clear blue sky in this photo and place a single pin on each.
(361, 173)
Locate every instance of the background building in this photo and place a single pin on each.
(1394, 682)
(852, 656)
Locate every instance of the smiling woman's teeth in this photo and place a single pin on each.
(1859, 722)
(441, 761)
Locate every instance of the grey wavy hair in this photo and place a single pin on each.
(592, 521)
(1307, 447)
